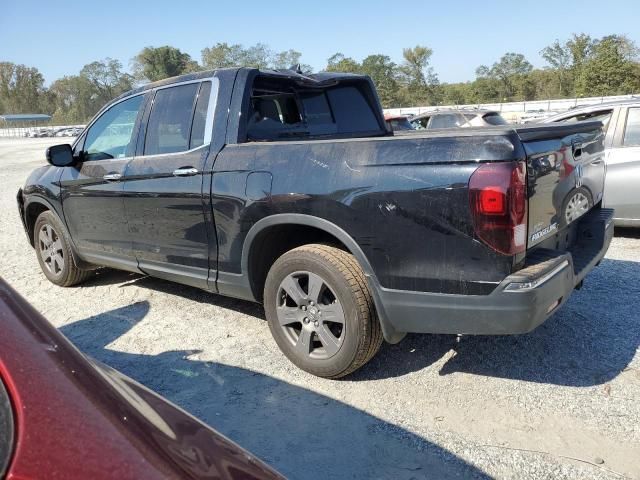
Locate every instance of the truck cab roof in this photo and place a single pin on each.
(314, 78)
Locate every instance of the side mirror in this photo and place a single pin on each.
(60, 155)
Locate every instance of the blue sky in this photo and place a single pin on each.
(59, 37)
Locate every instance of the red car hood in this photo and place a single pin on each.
(78, 419)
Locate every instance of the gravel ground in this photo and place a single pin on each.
(561, 402)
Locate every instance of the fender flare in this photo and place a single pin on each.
(391, 335)
(30, 200)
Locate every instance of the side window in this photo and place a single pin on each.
(603, 115)
(111, 134)
(169, 125)
(632, 128)
(200, 116)
(421, 123)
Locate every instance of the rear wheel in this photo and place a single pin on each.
(320, 311)
(54, 252)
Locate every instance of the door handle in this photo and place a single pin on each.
(597, 162)
(112, 177)
(185, 172)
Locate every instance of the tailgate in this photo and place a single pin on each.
(565, 175)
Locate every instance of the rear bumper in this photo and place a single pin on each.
(520, 303)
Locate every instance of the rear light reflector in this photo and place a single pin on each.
(498, 201)
(492, 201)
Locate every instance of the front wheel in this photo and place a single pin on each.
(320, 311)
(54, 252)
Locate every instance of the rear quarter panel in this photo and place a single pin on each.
(403, 200)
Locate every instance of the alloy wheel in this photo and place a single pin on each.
(50, 246)
(310, 315)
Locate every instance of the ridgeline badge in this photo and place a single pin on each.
(545, 231)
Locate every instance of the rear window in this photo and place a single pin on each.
(169, 126)
(494, 118)
(282, 109)
(448, 120)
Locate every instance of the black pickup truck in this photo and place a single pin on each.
(287, 189)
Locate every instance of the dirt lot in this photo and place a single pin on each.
(561, 402)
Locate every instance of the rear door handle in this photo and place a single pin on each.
(185, 172)
(112, 177)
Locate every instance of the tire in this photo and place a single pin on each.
(320, 311)
(53, 250)
(576, 204)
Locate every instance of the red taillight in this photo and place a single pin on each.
(498, 200)
(492, 201)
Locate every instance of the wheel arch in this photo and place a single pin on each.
(33, 208)
(331, 230)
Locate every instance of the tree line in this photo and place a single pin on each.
(580, 66)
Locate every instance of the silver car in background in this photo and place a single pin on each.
(457, 118)
(622, 154)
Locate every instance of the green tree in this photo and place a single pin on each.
(222, 55)
(73, 100)
(77, 98)
(339, 63)
(610, 69)
(290, 58)
(420, 81)
(22, 89)
(559, 58)
(256, 56)
(457, 93)
(383, 73)
(107, 79)
(485, 89)
(156, 63)
(510, 71)
(580, 46)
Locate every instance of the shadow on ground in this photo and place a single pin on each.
(591, 339)
(301, 433)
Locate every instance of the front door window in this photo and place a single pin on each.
(111, 135)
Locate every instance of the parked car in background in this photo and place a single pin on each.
(457, 118)
(535, 115)
(398, 122)
(39, 133)
(68, 132)
(65, 132)
(621, 122)
(66, 416)
(288, 189)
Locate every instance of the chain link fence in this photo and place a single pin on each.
(34, 131)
